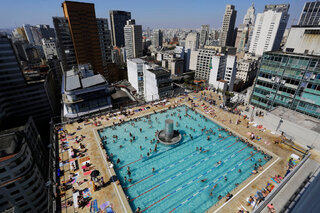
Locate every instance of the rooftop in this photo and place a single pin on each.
(298, 118)
(137, 60)
(9, 141)
(293, 54)
(159, 71)
(82, 77)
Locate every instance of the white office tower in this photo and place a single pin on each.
(223, 71)
(151, 81)
(269, 28)
(133, 39)
(204, 35)
(227, 30)
(192, 41)
(157, 37)
(250, 16)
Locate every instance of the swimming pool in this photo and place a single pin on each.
(183, 177)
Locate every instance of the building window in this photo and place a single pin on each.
(18, 199)
(14, 192)
(27, 210)
(5, 178)
(11, 185)
(22, 205)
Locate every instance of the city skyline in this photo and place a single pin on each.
(143, 12)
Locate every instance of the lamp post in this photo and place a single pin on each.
(279, 124)
(251, 116)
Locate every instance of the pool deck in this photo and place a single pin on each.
(113, 192)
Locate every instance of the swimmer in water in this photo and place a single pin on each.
(153, 170)
(214, 187)
(203, 180)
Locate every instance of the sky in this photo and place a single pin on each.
(189, 14)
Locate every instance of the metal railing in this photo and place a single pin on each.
(275, 191)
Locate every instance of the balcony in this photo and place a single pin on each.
(163, 80)
(163, 89)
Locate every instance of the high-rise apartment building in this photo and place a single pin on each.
(34, 34)
(245, 30)
(23, 170)
(151, 81)
(269, 28)
(133, 39)
(242, 37)
(203, 64)
(222, 71)
(64, 43)
(46, 31)
(118, 20)
(204, 35)
(49, 48)
(192, 41)
(157, 38)
(289, 80)
(250, 16)
(227, 29)
(84, 32)
(105, 40)
(310, 15)
(27, 30)
(19, 34)
(247, 68)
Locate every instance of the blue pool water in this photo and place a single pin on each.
(176, 185)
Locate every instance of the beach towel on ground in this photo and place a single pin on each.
(105, 205)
